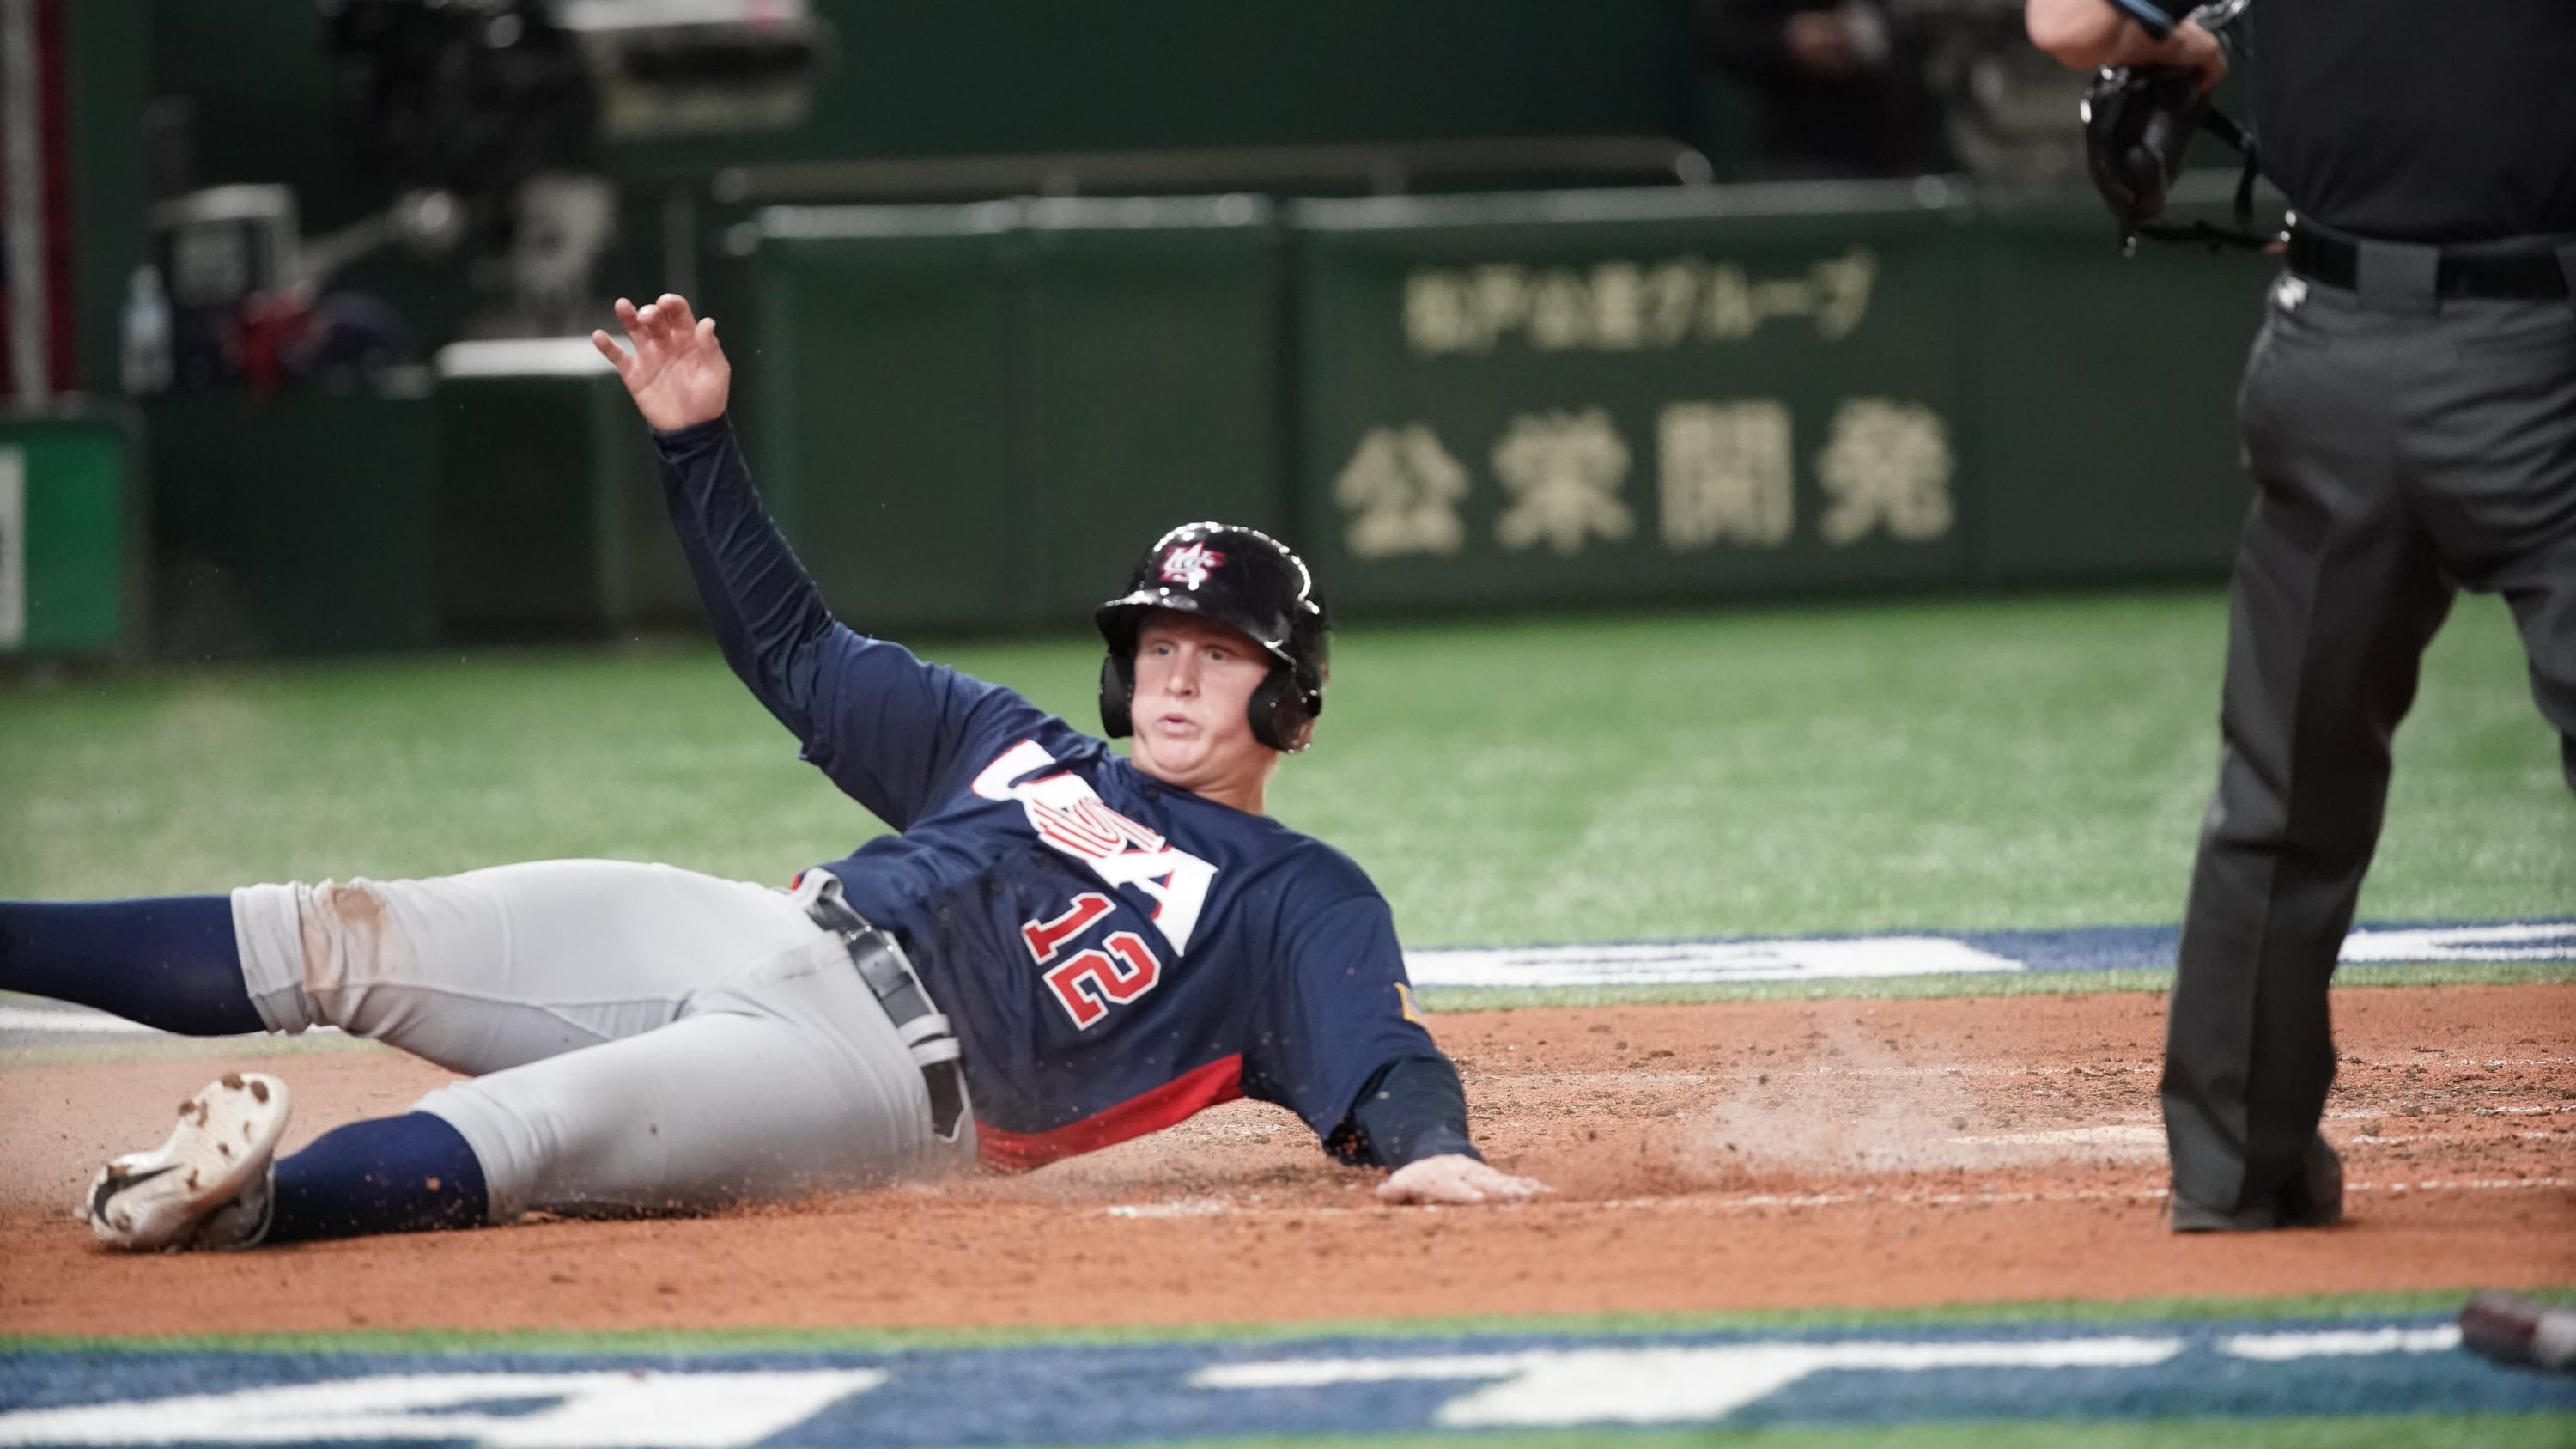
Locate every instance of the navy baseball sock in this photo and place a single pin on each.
(167, 961)
(408, 1174)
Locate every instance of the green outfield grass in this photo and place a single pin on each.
(2027, 762)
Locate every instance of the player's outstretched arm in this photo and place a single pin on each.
(676, 372)
(768, 618)
(873, 717)
(1454, 1177)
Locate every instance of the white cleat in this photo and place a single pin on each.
(207, 1187)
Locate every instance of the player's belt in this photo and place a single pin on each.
(888, 973)
(2532, 275)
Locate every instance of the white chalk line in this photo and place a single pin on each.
(1757, 1201)
(2149, 1134)
(1801, 1067)
(2483, 1111)
(80, 1021)
(2374, 1139)
(1207, 1207)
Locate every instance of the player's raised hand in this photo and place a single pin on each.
(677, 373)
(1454, 1177)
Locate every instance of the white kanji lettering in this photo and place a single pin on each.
(1622, 305)
(1843, 286)
(1501, 293)
(1727, 311)
(1782, 297)
(1724, 473)
(1439, 314)
(1560, 311)
(1886, 464)
(1671, 298)
(1402, 491)
(1618, 306)
(1564, 472)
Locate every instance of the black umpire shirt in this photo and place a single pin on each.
(2444, 122)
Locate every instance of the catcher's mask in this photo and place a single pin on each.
(2138, 126)
(1241, 578)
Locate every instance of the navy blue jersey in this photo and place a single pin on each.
(1114, 953)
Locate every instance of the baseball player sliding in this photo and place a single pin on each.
(1059, 949)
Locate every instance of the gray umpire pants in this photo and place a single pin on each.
(2401, 448)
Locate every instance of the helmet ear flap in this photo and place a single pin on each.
(1273, 709)
(1281, 710)
(1118, 695)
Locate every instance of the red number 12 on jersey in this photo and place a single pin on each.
(1119, 969)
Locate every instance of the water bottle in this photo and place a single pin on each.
(147, 333)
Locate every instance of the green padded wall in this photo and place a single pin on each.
(1579, 397)
(976, 417)
(2108, 386)
(1154, 376)
(68, 534)
(304, 523)
(551, 520)
(880, 428)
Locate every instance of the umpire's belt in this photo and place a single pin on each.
(2413, 271)
(888, 973)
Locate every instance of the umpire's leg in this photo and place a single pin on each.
(2336, 593)
(2495, 455)
(2541, 586)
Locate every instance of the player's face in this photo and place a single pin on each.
(1194, 684)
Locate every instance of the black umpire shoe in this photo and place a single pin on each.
(2313, 1199)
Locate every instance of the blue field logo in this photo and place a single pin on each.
(1140, 1393)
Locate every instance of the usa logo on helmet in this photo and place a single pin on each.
(1190, 564)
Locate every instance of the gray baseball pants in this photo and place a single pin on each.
(636, 1037)
(2401, 448)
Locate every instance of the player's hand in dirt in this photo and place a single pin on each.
(1455, 1178)
(677, 373)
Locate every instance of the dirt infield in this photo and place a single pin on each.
(1753, 1155)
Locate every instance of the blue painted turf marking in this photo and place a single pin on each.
(1135, 1393)
(1923, 953)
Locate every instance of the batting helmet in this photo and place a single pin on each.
(1241, 578)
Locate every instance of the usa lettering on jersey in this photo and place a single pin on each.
(1071, 817)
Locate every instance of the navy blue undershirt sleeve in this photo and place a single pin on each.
(1414, 1107)
(769, 619)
